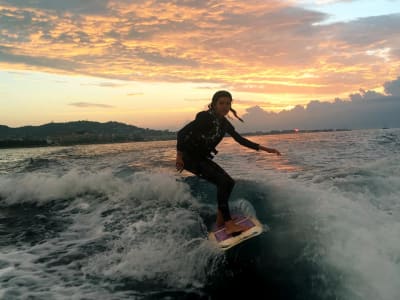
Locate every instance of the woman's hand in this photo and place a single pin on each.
(269, 150)
(179, 162)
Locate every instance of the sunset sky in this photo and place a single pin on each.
(155, 63)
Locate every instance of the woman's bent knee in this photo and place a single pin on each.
(226, 183)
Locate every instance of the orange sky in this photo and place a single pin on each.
(134, 62)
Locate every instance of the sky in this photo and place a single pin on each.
(156, 63)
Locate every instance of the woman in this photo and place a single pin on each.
(198, 139)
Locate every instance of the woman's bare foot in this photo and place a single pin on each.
(231, 227)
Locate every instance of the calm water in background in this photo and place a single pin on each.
(117, 222)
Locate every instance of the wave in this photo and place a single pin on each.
(124, 232)
(349, 224)
(143, 228)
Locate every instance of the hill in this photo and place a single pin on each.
(79, 132)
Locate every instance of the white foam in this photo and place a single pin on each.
(243, 207)
(162, 239)
(4, 271)
(167, 248)
(356, 238)
(43, 187)
(362, 242)
(152, 232)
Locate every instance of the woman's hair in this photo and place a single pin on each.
(221, 94)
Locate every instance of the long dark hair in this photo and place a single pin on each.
(221, 94)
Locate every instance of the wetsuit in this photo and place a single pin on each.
(197, 141)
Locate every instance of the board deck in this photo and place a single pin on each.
(226, 241)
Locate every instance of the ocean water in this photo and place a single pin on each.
(118, 222)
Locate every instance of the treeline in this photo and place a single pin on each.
(80, 132)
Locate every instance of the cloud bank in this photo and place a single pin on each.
(366, 109)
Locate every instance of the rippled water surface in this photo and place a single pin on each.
(118, 222)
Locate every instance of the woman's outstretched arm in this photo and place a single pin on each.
(269, 150)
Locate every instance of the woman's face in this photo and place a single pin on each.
(222, 106)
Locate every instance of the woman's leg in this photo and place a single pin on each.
(212, 172)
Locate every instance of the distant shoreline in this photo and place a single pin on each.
(78, 133)
(293, 131)
(32, 143)
(42, 144)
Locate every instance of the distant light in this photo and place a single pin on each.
(296, 130)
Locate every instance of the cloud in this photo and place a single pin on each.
(169, 60)
(18, 25)
(7, 55)
(87, 104)
(370, 32)
(105, 84)
(366, 109)
(319, 2)
(255, 46)
(135, 94)
(393, 87)
(74, 6)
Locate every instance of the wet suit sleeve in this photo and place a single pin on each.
(241, 140)
(200, 124)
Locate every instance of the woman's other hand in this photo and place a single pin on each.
(179, 162)
(270, 150)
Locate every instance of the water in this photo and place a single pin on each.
(117, 222)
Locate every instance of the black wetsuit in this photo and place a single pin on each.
(197, 140)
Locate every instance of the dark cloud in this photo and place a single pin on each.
(160, 59)
(73, 37)
(143, 34)
(6, 55)
(367, 109)
(368, 30)
(75, 6)
(112, 34)
(190, 3)
(87, 104)
(185, 3)
(17, 26)
(365, 95)
(393, 87)
(366, 36)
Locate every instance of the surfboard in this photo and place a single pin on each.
(225, 241)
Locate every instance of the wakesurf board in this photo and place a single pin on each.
(225, 241)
